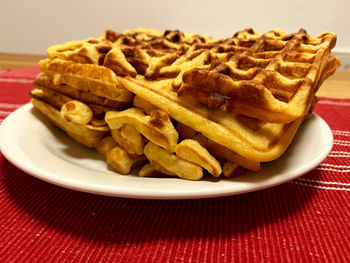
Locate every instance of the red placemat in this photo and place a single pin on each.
(305, 220)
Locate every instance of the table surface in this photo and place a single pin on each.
(337, 86)
(307, 219)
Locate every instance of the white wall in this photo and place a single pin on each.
(30, 26)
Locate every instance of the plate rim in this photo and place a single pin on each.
(116, 191)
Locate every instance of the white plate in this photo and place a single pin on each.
(35, 146)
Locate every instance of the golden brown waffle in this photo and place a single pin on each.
(77, 112)
(272, 78)
(86, 134)
(248, 138)
(252, 139)
(184, 111)
(100, 81)
(130, 53)
(44, 80)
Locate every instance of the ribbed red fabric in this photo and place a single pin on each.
(305, 220)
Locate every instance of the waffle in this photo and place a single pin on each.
(86, 134)
(250, 138)
(97, 80)
(155, 136)
(134, 52)
(272, 79)
(44, 80)
(162, 100)
(77, 112)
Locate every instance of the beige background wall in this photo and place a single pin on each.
(30, 26)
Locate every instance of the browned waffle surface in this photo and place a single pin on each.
(272, 79)
(130, 53)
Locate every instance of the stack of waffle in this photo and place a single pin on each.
(183, 104)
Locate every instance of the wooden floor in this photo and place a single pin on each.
(337, 86)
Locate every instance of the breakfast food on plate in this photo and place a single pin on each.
(181, 104)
